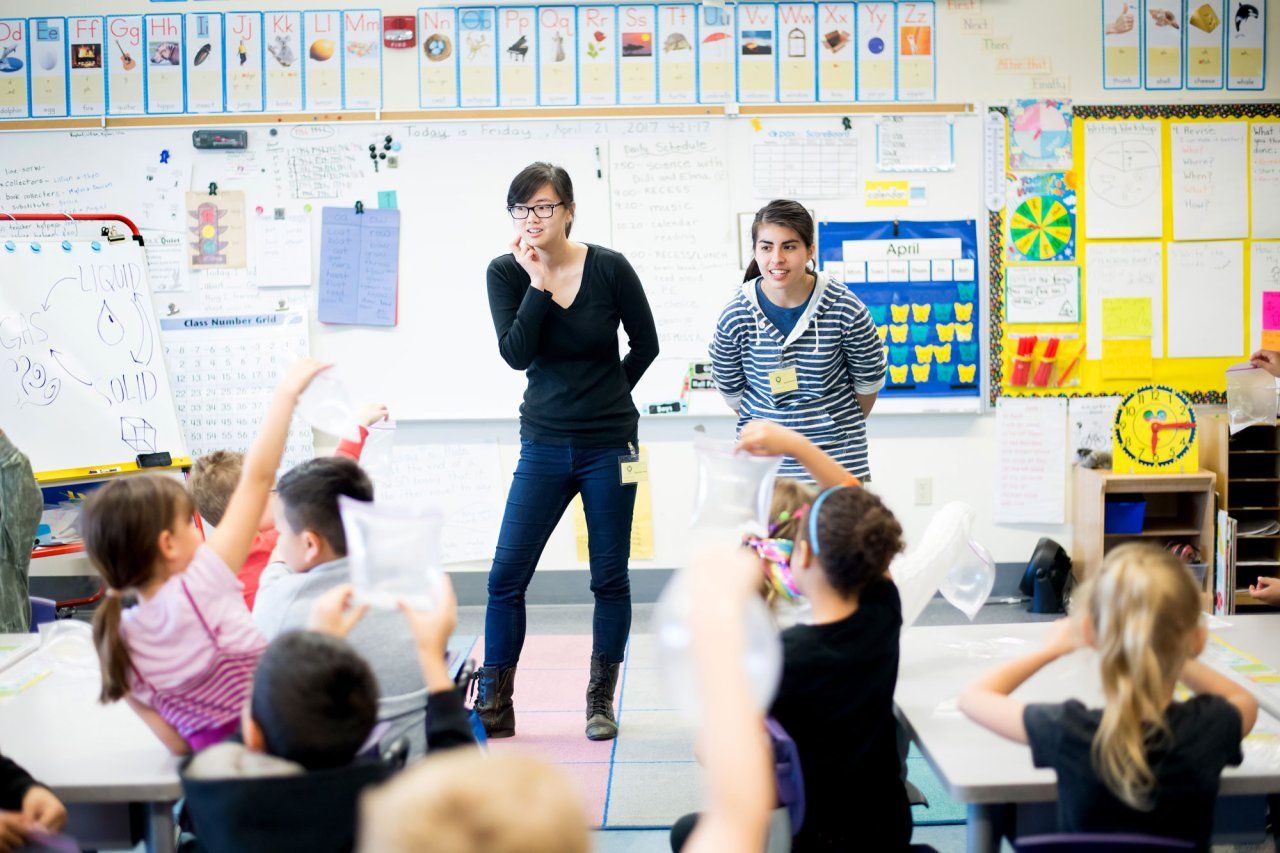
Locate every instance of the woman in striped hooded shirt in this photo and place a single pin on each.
(796, 347)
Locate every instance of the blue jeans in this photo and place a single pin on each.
(546, 479)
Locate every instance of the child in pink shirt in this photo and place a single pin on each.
(183, 656)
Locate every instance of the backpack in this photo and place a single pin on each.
(788, 779)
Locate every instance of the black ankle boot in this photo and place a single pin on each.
(601, 722)
(494, 687)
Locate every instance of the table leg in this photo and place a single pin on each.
(160, 828)
(982, 829)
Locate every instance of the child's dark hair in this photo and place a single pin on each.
(534, 177)
(121, 524)
(857, 538)
(315, 700)
(309, 493)
(784, 212)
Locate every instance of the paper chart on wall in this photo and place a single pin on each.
(166, 261)
(224, 371)
(162, 204)
(821, 164)
(478, 57)
(204, 58)
(1040, 135)
(48, 40)
(1205, 33)
(285, 52)
(438, 59)
(558, 65)
(637, 62)
(1122, 174)
(463, 480)
(361, 59)
(1264, 279)
(245, 57)
(125, 66)
(1264, 178)
(1041, 216)
(87, 55)
(1122, 270)
(1206, 299)
(215, 230)
(1042, 294)
(678, 59)
(1209, 164)
(1032, 466)
(1089, 421)
(797, 45)
(281, 249)
(836, 52)
(1247, 45)
(1121, 43)
(1162, 34)
(164, 61)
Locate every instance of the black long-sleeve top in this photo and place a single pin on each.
(14, 784)
(579, 389)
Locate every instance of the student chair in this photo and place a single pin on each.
(42, 610)
(1090, 842)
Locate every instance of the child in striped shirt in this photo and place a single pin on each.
(183, 656)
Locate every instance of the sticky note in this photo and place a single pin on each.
(1271, 339)
(756, 125)
(1271, 310)
(1127, 317)
(1126, 358)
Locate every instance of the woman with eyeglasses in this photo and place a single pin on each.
(556, 306)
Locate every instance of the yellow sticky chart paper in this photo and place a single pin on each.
(899, 312)
(875, 76)
(946, 332)
(897, 374)
(1164, 62)
(755, 76)
(920, 372)
(898, 333)
(920, 313)
(1271, 339)
(1126, 358)
(517, 82)
(1127, 317)
(1122, 62)
(362, 87)
(641, 522)
(924, 354)
(479, 84)
(1244, 62)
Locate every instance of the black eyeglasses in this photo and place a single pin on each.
(544, 211)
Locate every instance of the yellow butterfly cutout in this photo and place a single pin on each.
(946, 331)
(920, 372)
(942, 354)
(964, 311)
(898, 333)
(964, 331)
(899, 312)
(967, 372)
(882, 331)
(898, 374)
(920, 313)
(885, 351)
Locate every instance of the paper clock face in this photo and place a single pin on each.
(1155, 427)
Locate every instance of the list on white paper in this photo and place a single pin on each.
(1206, 299)
(1264, 174)
(1122, 270)
(1123, 194)
(281, 251)
(1209, 165)
(463, 480)
(1089, 421)
(1031, 443)
(162, 203)
(224, 371)
(915, 144)
(166, 263)
(805, 168)
(1042, 294)
(1264, 276)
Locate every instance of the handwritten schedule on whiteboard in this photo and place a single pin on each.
(359, 266)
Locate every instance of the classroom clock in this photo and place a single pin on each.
(1155, 433)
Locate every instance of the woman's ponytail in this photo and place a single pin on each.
(113, 651)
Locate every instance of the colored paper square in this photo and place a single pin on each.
(1122, 61)
(1127, 317)
(1245, 62)
(1271, 339)
(1271, 310)
(1126, 358)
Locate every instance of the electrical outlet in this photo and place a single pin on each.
(924, 491)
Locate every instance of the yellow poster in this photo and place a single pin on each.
(641, 522)
(1126, 358)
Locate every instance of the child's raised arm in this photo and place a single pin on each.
(1203, 679)
(765, 438)
(987, 701)
(233, 537)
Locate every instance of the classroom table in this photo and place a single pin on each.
(990, 774)
(97, 758)
(1258, 636)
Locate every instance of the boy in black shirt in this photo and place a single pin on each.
(839, 673)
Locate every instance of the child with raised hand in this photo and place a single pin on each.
(1143, 763)
(183, 656)
(214, 477)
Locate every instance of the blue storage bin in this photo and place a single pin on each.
(1124, 516)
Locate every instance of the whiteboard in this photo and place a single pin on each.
(670, 193)
(82, 370)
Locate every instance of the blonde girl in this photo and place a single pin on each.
(1143, 763)
(184, 653)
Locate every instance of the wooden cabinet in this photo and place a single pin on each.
(1178, 508)
(1248, 488)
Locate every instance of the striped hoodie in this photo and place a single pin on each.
(837, 354)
